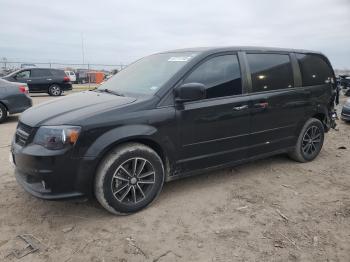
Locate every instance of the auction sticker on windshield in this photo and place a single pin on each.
(180, 58)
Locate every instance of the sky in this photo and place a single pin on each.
(119, 32)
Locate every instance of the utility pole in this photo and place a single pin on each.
(4, 59)
(82, 48)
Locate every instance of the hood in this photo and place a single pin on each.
(72, 109)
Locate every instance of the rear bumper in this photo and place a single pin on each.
(66, 86)
(54, 175)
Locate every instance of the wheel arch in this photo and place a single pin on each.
(147, 141)
(4, 104)
(323, 117)
(143, 134)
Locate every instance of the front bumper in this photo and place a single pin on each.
(51, 174)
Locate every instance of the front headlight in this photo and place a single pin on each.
(56, 137)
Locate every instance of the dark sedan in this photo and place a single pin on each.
(42, 80)
(13, 98)
(345, 113)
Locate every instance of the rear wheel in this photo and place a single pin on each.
(310, 141)
(3, 113)
(55, 90)
(129, 178)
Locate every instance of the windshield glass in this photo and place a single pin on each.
(147, 75)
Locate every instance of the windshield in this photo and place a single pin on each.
(147, 75)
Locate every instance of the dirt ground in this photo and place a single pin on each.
(269, 210)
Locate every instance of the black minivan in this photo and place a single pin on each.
(42, 80)
(171, 115)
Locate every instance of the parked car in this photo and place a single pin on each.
(5, 71)
(13, 98)
(344, 84)
(345, 112)
(172, 115)
(42, 80)
(71, 76)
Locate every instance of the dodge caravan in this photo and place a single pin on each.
(171, 115)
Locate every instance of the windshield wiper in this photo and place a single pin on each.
(106, 90)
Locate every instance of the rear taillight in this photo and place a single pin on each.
(66, 79)
(24, 89)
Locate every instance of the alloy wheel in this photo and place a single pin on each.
(55, 90)
(133, 180)
(311, 140)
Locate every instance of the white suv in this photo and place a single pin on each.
(71, 76)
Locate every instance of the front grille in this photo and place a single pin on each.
(23, 133)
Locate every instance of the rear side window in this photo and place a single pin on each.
(221, 75)
(314, 69)
(40, 72)
(270, 72)
(57, 72)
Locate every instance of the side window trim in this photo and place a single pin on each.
(203, 61)
(296, 70)
(249, 76)
(322, 58)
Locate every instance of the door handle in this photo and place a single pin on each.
(262, 105)
(238, 108)
(49, 79)
(29, 80)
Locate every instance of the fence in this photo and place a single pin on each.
(82, 70)
(99, 67)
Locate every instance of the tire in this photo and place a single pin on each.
(121, 190)
(3, 113)
(310, 141)
(55, 90)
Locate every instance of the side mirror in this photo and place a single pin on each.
(190, 92)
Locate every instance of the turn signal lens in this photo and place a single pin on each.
(73, 135)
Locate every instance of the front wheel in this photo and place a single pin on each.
(310, 141)
(129, 178)
(55, 90)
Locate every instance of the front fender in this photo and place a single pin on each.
(119, 135)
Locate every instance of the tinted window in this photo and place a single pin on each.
(270, 72)
(57, 72)
(221, 76)
(314, 69)
(23, 74)
(40, 72)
